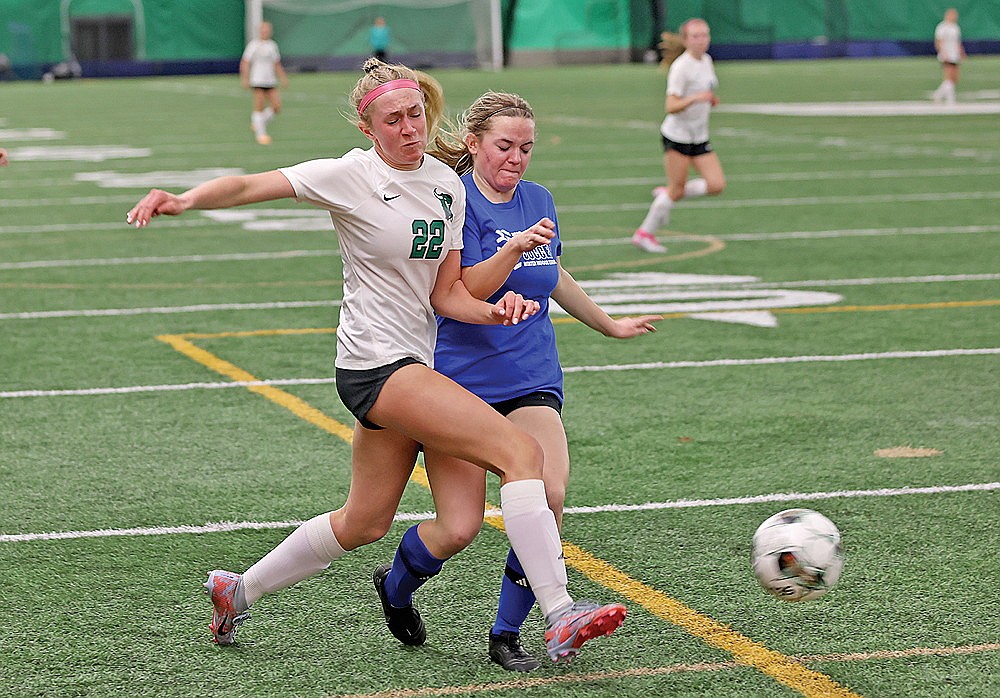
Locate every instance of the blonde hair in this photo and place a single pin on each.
(450, 146)
(378, 73)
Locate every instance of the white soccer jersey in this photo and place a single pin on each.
(395, 228)
(688, 75)
(262, 56)
(949, 38)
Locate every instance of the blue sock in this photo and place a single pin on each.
(412, 566)
(516, 598)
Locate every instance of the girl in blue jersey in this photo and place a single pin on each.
(399, 216)
(512, 242)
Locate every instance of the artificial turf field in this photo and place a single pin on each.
(832, 344)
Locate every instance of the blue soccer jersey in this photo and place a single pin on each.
(493, 361)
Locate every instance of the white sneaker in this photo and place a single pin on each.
(647, 242)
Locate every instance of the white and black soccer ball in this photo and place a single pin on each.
(797, 555)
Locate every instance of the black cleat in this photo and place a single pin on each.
(405, 623)
(506, 650)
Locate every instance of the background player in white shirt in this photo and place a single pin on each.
(260, 71)
(691, 85)
(399, 216)
(950, 52)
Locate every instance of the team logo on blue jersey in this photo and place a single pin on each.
(538, 257)
(446, 200)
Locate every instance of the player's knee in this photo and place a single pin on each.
(716, 185)
(524, 457)
(455, 539)
(369, 530)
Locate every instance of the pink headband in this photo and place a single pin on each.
(386, 87)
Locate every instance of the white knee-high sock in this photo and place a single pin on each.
(307, 550)
(259, 122)
(695, 187)
(658, 215)
(531, 528)
(949, 90)
(268, 115)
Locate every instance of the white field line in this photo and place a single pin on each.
(787, 177)
(117, 226)
(775, 360)
(227, 526)
(179, 259)
(166, 310)
(929, 197)
(591, 208)
(714, 363)
(807, 176)
(815, 234)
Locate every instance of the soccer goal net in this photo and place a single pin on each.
(334, 34)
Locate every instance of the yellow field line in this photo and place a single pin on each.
(295, 405)
(649, 672)
(776, 665)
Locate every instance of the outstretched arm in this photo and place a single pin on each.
(575, 301)
(222, 192)
(450, 298)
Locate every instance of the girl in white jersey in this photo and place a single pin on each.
(399, 215)
(950, 52)
(691, 85)
(260, 71)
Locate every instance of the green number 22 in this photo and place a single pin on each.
(428, 239)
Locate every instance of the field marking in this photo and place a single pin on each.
(650, 672)
(280, 305)
(166, 310)
(786, 671)
(174, 259)
(775, 497)
(781, 668)
(909, 108)
(867, 199)
(928, 197)
(785, 177)
(710, 363)
(293, 404)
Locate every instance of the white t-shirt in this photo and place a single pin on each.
(688, 75)
(949, 36)
(262, 56)
(395, 228)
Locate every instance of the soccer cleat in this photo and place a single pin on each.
(221, 587)
(584, 621)
(647, 242)
(506, 650)
(404, 623)
(264, 139)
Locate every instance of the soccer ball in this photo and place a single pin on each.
(796, 555)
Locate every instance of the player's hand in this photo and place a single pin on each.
(628, 327)
(3, 158)
(541, 233)
(153, 204)
(513, 308)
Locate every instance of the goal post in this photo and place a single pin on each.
(333, 34)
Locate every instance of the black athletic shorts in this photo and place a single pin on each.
(359, 390)
(535, 399)
(689, 149)
(266, 88)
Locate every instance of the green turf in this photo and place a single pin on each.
(888, 200)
